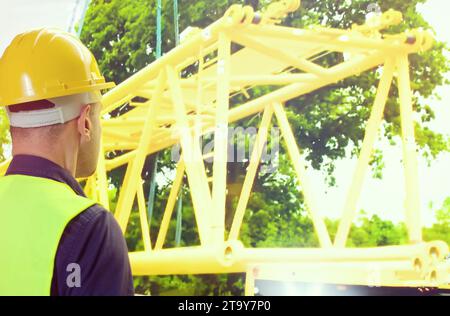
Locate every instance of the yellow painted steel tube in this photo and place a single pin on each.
(252, 80)
(120, 160)
(192, 157)
(119, 145)
(217, 213)
(102, 180)
(438, 250)
(198, 260)
(4, 166)
(371, 133)
(249, 289)
(186, 260)
(173, 195)
(145, 229)
(331, 39)
(113, 104)
(412, 193)
(127, 138)
(302, 178)
(88, 187)
(260, 141)
(333, 254)
(122, 122)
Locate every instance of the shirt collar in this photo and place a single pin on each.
(40, 167)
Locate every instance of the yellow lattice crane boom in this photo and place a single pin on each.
(168, 108)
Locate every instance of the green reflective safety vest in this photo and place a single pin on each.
(33, 215)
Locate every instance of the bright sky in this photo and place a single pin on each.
(384, 197)
(17, 16)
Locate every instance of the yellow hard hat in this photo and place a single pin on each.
(47, 63)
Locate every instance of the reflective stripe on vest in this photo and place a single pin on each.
(33, 215)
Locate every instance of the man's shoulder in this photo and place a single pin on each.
(94, 240)
(95, 227)
(94, 216)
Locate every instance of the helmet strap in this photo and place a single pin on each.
(65, 109)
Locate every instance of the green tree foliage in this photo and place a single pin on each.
(327, 124)
(441, 229)
(4, 133)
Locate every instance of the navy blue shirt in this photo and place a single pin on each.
(93, 240)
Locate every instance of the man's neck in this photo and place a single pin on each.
(56, 156)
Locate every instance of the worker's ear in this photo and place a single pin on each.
(84, 124)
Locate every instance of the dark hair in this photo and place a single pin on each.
(31, 106)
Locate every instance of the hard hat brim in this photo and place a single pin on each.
(59, 93)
